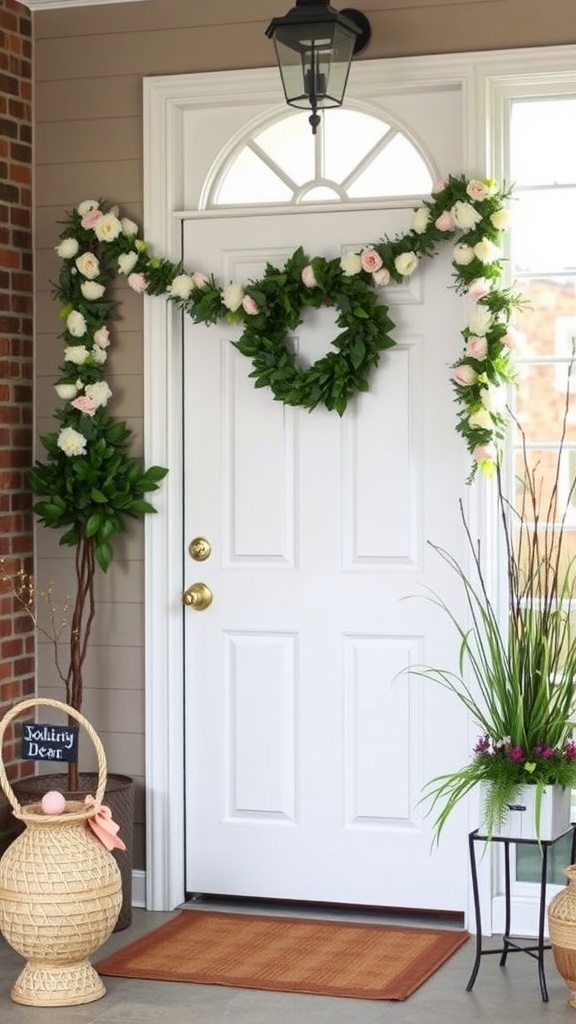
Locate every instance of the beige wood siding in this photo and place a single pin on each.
(89, 65)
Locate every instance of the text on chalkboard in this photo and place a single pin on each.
(49, 742)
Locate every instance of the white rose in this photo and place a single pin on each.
(494, 399)
(462, 254)
(98, 392)
(71, 441)
(232, 296)
(308, 278)
(88, 265)
(126, 262)
(66, 391)
(129, 228)
(108, 228)
(465, 215)
(76, 324)
(77, 354)
(481, 419)
(68, 248)
(87, 206)
(486, 251)
(406, 263)
(381, 277)
(421, 220)
(501, 219)
(181, 287)
(351, 264)
(91, 290)
(99, 355)
(480, 321)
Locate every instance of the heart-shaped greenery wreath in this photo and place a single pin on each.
(280, 297)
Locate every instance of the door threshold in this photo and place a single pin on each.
(337, 911)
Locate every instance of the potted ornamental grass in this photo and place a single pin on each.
(88, 487)
(517, 670)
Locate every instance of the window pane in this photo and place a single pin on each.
(529, 862)
(348, 138)
(398, 170)
(543, 141)
(543, 230)
(548, 320)
(321, 194)
(540, 403)
(290, 144)
(250, 180)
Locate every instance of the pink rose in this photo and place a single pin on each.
(90, 219)
(479, 288)
(308, 279)
(200, 280)
(514, 339)
(138, 283)
(445, 222)
(381, 277)
(477, 348)
(85, 404)
(464, 375)
(250, 306)
(484, 452)
(477, 190)
(102, 337)
(371, 260)
(438, 186)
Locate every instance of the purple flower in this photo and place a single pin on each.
(570, 750)
(543, 750)
(516, 754)
(482, 745)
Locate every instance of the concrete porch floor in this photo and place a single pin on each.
(509, 995)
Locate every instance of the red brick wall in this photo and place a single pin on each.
(16, 354)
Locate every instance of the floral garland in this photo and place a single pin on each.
(97, 244)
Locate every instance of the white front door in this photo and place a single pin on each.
(306, 751)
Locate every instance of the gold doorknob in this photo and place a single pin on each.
(200, 549)
(198, 596)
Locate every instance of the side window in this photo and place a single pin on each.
(542, 170)
(354, 156)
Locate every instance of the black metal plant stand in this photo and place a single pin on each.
(512, 945)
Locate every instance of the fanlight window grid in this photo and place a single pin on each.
(353, 157)
(543, 263)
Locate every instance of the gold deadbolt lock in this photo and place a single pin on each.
(200, 549)
(198, 596)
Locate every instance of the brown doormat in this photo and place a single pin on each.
(283, 954)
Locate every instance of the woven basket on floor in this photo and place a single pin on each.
(60, 889)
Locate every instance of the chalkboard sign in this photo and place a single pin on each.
(49, 742)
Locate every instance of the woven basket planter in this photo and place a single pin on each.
(562, 928)
(60, 890)
(118, 796)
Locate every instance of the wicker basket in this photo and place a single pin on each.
(60, 889)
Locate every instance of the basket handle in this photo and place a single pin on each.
(50, 703)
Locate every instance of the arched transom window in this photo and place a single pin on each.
(354, 157)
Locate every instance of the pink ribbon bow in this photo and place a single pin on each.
(103, 826)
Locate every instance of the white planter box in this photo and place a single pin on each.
(520, 822)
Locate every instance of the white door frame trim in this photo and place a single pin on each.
(166, 100)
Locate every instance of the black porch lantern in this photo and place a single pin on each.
(314, 49)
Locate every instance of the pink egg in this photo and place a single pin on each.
(53, 802)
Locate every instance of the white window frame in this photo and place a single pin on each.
(538, 74)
